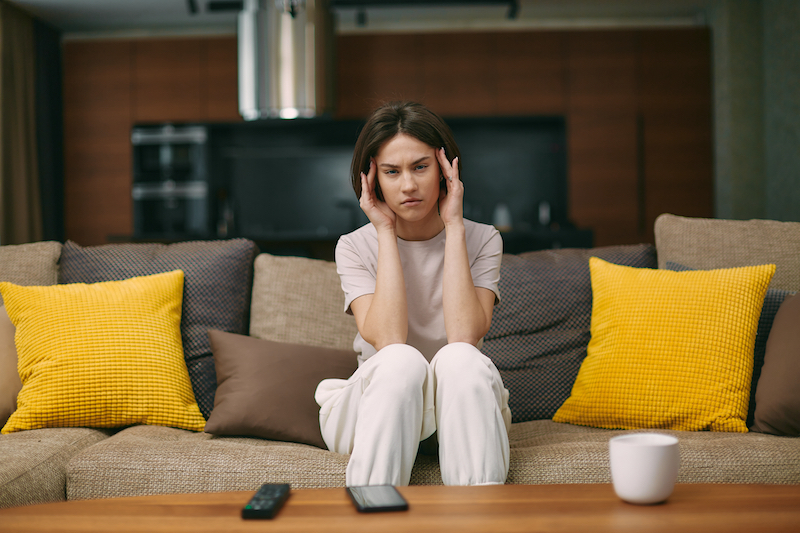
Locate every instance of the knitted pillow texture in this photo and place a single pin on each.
(540, 328)
(9, 377)
(669, 350)
(772, 302)
(216, 294)
(104, 355)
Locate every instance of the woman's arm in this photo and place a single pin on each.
(467, 309)
(382, 317)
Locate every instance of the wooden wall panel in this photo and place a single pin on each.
(168, 85)
(97, 154)
(372, 69)
(675, 73)
(221, 79)
(602, 92)
(602, 71)
(530, 73)
(459, 73)
(603, 185)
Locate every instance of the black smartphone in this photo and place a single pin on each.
(376, 498)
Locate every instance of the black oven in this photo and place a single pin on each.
(171, 196)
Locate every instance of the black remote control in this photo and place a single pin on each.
(267, 501)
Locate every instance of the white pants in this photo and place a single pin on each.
(396, 399)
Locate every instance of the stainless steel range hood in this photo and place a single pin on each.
(285, 59)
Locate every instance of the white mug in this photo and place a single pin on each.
(644, 466)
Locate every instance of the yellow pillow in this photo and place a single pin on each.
(671, 350)
(101, 355)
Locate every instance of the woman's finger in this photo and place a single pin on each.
(444, 164)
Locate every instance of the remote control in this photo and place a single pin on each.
(267, 501)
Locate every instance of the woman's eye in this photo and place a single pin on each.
(421, 167)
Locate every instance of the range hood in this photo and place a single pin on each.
(285, 59)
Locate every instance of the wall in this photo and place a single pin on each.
(781, 22)
(738, 110)
(110, 85)
(637, 104)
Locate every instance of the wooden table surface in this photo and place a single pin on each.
(568, 508)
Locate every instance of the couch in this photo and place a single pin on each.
(257, 305)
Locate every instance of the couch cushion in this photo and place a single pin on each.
(704, 243)
(300, 301)
(543, 451)
(266, 388)
(101, 355)
(668, 349)
(156, 460)
(33, 464)
(540, 329)
(777, 401)
(216, 293)
(772, 302)
(23, 264)
(30, 264)
(10, 383)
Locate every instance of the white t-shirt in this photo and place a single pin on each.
(423, 267)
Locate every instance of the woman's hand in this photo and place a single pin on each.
(451, 204)
(381, 216)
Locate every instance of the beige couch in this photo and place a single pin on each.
(297, 300)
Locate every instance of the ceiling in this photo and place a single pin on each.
(174, 16)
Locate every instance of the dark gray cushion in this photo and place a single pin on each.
(772, 302)
(216, 295)
(540, 329)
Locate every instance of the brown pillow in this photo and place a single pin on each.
(266, 389)
(777, 401)
(10, 383)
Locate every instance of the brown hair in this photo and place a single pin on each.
(410, 118)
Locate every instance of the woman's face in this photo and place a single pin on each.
(409, 176)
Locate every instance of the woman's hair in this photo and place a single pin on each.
(410, 118)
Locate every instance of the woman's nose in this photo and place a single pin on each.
(408, 183)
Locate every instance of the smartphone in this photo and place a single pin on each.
(376, 498)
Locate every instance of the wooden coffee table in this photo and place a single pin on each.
(568, 508)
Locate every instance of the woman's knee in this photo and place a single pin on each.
(401, 365)
(460, 360)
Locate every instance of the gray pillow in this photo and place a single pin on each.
(772, 302)
(216, 295)
(540, 329)
(34, 263)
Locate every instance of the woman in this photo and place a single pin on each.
(421, 282)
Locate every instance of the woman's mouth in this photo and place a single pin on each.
(411, 202)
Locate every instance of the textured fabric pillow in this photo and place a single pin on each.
(30, 264)
(24, 264)
(9, 377)
(772, 302)
(103, 355)
(300, 301)
(266, 389)
(707, 243)
(216, 293)
(540, 329)
(777, 400)
(670, 350)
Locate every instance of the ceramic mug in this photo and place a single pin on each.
(644, 466)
